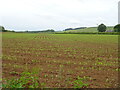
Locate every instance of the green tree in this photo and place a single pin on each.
(2, 29)
(50, 30)
(101, 28)
(117, 28)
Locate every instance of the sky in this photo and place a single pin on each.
(34, 15)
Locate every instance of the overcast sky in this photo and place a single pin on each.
(57, 14)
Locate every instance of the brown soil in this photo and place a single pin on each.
(59, 66)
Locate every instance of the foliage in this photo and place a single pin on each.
(88, 29)
(107, 33)
(101, 28)
(51, 30)
(68, 29)
(44, 31)
(74, 28)
(27, 80)
(2, 29)
(117, 28)
(79, 83)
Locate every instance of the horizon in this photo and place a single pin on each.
(53, 29)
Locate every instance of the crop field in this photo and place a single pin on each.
(33, 60)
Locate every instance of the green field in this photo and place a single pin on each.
(38, 60)
(89, 29)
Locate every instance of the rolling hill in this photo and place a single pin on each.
(89, 29)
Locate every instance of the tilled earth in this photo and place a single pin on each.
(60, 60)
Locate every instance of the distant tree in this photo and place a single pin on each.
(49, 30)
(3, 29)
(117, 28)
(102, 28)
(68, 29)
(12, 31)
(26, 31)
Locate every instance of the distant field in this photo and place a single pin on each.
(60, 60)
(90, 29)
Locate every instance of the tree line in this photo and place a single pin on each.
(100, 28)
(2, 29)
(103, 28)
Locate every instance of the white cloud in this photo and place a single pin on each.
(57, 14)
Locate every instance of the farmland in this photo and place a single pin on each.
(89, 29)
(60, 60)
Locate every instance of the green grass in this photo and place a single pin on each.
(11, 35)
(27, 80)
(79, 83)
(63, 37)
(88, 38)
(89, 29)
